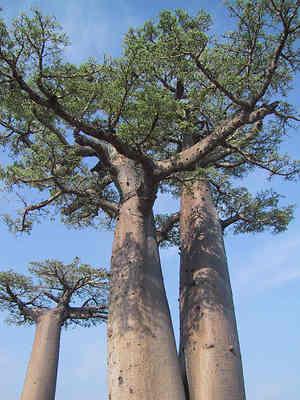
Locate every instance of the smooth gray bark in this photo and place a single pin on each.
(40, 381)
(143, 363)
(209, 346)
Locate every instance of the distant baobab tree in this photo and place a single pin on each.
(55, 295)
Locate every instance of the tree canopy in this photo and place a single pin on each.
(176, 81)
(80, 290)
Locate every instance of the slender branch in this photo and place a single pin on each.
(210, 76)
(37, 206)
(229, 221)
(88, 312)
(249, 158)
(41, 181)
(20, 304)
(287, 116)
(165, 84)
(100, 149)
(50, 102)
(52, 297)
(24, 135)
(153, 126)
(229, 165)
(222, 153)
(51, 128)
(187, 158)
(111, 208)
(57, 273)
(272, 67)
(84, 151)
(233, 219)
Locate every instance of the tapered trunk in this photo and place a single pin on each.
(209, 348)
(143, 362)
(40, 381)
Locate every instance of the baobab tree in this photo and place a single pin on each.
(209, 342)
(209, 349)
(173, 81)
(55, 295)
(209, 346)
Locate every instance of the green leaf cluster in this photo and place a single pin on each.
(54, 284)
(174, 81)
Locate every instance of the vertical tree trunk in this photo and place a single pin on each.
(40, 381)
(143, 362)
(209, 347)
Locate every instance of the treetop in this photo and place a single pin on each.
(80, 290)
(64, 125)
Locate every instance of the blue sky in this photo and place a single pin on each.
(264, 268)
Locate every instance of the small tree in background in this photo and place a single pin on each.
(55, 295)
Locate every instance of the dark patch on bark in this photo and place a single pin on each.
(209, 346)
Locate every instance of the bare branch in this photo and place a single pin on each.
(112, 209)
(51, 128)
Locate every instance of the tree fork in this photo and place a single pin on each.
(209, 345)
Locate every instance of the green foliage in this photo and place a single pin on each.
(174, 81)
(239, 211)
(247, 213)
(256, 39)
(16, 288)
(81, 290)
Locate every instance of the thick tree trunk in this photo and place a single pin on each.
(143, 362)
(40, 381)
(209, 348)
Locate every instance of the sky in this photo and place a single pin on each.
(264, 268)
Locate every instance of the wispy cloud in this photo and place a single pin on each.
(273, 263)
